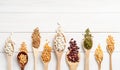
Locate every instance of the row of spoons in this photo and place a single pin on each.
(72, 56)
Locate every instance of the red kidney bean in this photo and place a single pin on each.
(73, 51)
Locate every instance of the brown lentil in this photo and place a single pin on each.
(36, 38)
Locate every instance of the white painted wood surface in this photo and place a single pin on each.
(22, 16)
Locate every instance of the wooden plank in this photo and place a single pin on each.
(47, 22)
(59, 6)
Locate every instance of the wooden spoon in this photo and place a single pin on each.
(9, 43)
(110, 48)
(72, 65)
(87, 45)
(59, 56)
(46, 62)
(35, 45)
(99, 56)
(22, 66)
(59, 53)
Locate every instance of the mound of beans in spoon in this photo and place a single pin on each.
(73, 51)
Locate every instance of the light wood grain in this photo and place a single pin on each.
(9, 59)
(59, 57)
(111, 62)
(35, 51)
(99, 66)
(45, 66)
(87, 54)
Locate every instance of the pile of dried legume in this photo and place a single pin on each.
(22, 55)
(73, 55)
(22, 58)
(99, 54)
(36, 38)
(60, 42)
(88, 40)
(9, 46)
(110, 44)
(46, 54)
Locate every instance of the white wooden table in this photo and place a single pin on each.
(22, 16)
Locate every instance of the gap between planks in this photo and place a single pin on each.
(64, 32)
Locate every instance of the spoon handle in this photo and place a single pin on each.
(110, 62)
(22, 68)
(35, 51)
(86, 60)
(73, 68)
(45, 66)
(99, 66)
(58, 61)
(9, 62)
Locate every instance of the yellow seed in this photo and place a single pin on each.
(99, 54)
(46, 54)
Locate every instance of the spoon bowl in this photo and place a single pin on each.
(59, 56)
(72, 65)
(22, 65)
